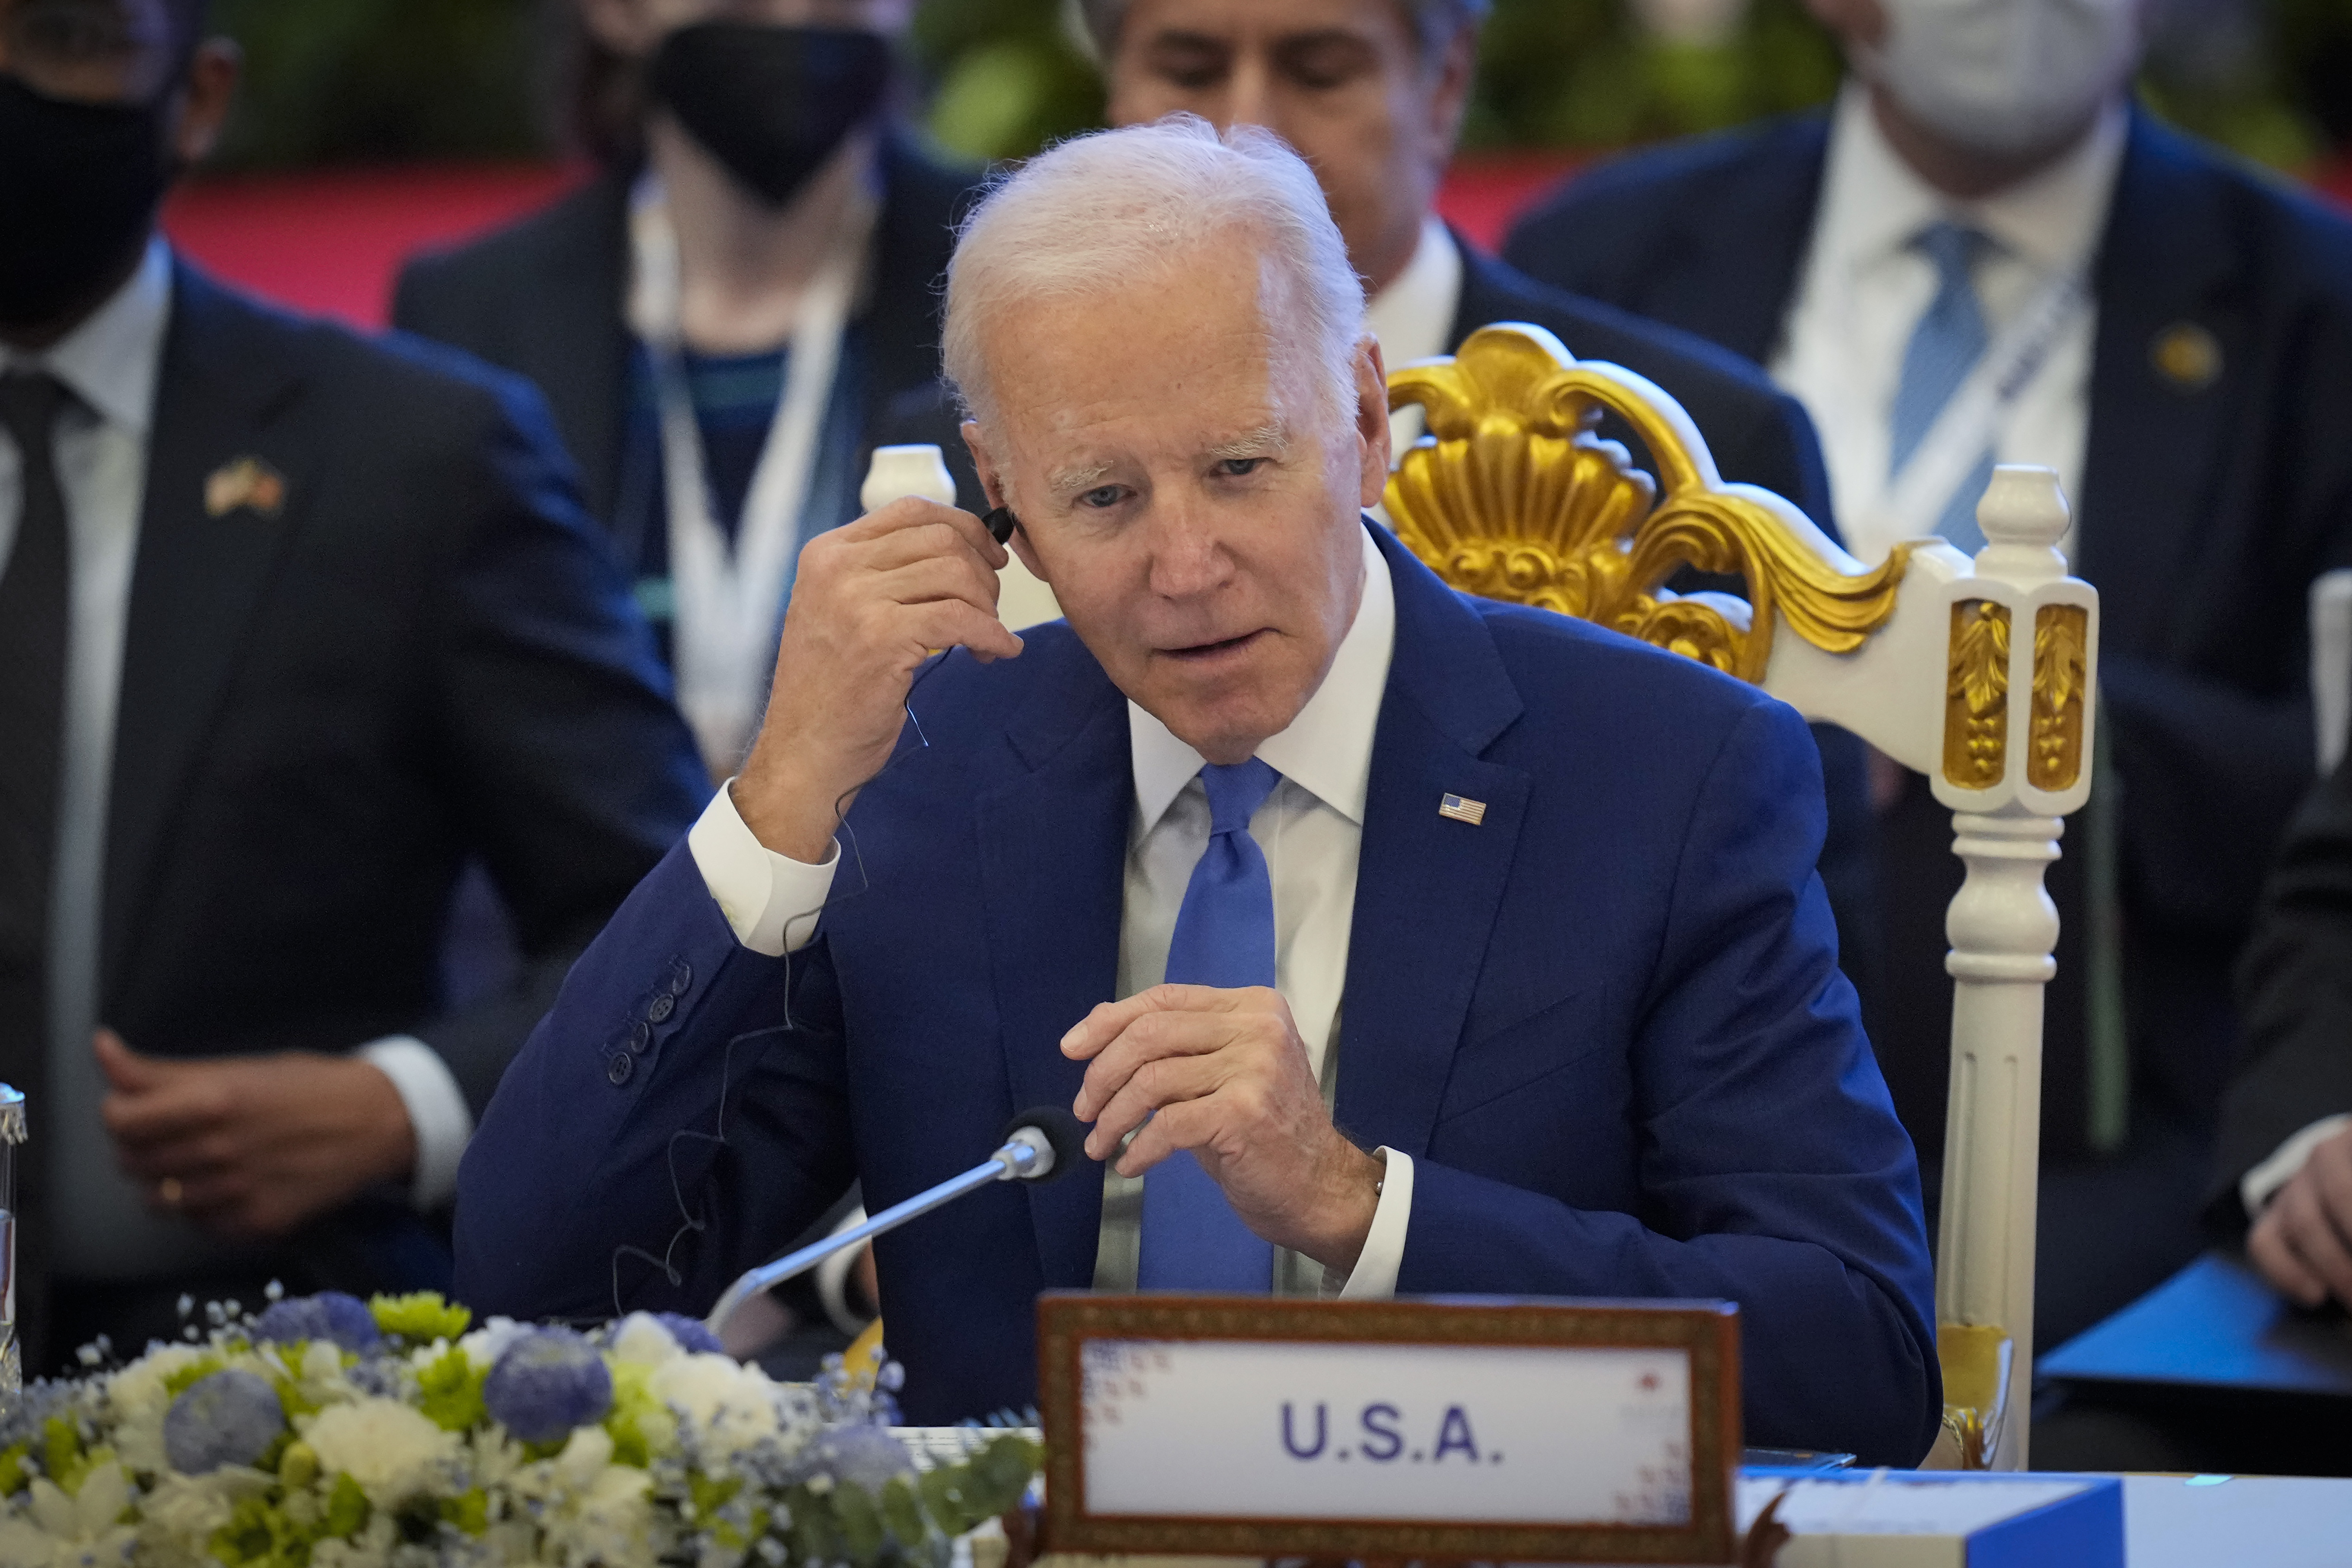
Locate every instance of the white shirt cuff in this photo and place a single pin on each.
(771, 901)
(2259, 1185)
(437, 1112)
(1374, 1277)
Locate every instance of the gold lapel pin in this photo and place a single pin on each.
(246, 482)
(2188, 356)
(1462, 809)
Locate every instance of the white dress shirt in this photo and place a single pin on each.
(1413, 318)
(110, 363)
(1864, 287)
(1310, 829)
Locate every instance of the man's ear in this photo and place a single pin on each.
(1371, 420)
(994, 491)
(210, 88)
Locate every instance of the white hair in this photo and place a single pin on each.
(1103, 210)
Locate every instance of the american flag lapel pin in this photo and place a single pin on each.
(246, 482)
(1461, 808)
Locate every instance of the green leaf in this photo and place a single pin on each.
(861, 1522)
(903, 1513)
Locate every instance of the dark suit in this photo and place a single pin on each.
(424, 653)
(2294, 993)
(2205, 510)
(544, 297)
(1607, 1024)
(1759, 436)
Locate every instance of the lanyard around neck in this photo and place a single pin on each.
(1911, 503)
(730, 598)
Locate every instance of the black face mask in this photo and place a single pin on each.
(78, 186)
(770, 103)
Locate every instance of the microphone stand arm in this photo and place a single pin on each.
(1017, 1159)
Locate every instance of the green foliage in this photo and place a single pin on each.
(420, 1317)
(265, 1533)
(13, 1475)
(470, 1513)
(1008, 78)
(347, 1507)
(62, 1459)
(911, 1523)
(177, 1382)
(635, 1409)
(1582, 73)
(345, 80)
(451, 1391)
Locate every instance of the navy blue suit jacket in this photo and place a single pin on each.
(2204, 513)
(1608, 1024)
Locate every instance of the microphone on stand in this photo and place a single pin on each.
(1037, 1145)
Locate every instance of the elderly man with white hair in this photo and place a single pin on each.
(1392, 942)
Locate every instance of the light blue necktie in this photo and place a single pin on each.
(1945, 345)
(1193, 1240)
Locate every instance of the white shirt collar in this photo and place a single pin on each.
(111, 361)
(1874, 203)
(1328, 749)
(1413, 316)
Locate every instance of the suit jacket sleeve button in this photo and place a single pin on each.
(660, 1008)
(618, 1070)
(681, 975)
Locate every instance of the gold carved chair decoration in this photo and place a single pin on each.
(1512, 495)
(1514, 498)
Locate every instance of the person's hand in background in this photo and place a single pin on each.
(2303, 1241)
(251, 1147)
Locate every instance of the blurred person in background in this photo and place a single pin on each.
(1985, 252)
(731, 316)
(289, 624)
(2285, 1155)
(1372, 93)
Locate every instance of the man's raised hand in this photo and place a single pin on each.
(1224, 1074)
(870, 602)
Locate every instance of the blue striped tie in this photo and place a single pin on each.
(1945, 345)
(1193, 1240)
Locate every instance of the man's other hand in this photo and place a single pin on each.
(871, 602)
(2303, 1242)
(250, 1147)
(1224, 1074)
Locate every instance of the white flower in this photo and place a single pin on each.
(641, 1338)
(727, 1406)
(137, 1400)
(486, 1344)
(602, 1511)
(180, 1516)
(394, 1453)
(83, 1530)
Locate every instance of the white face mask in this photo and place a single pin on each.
(2002, 77)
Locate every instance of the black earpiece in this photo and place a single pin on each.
(1000, 524)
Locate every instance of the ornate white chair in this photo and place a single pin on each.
(1511, 496)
